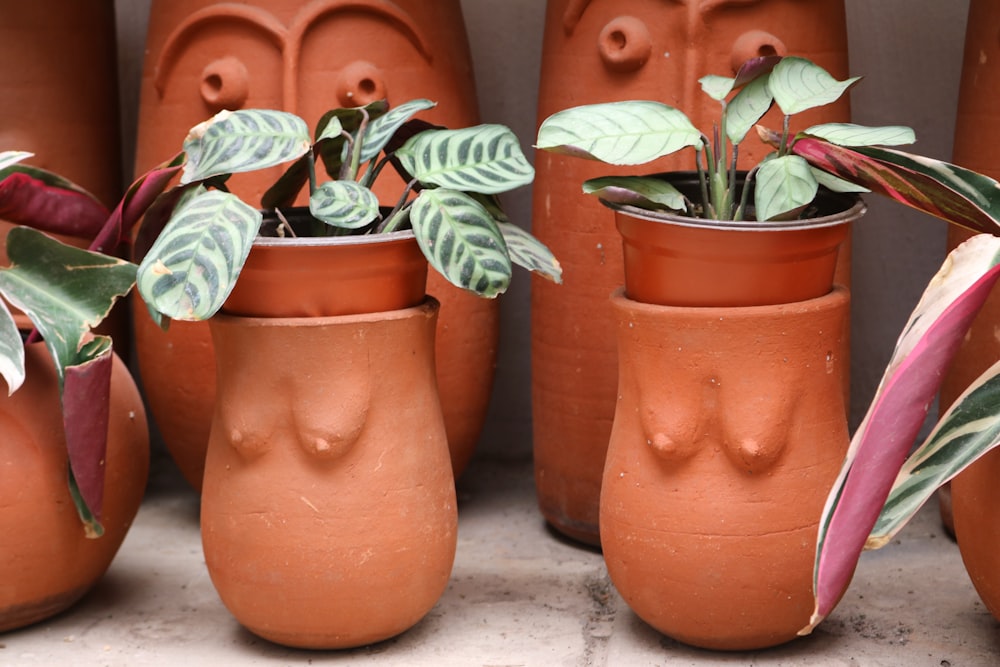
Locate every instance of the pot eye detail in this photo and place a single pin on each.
(625, 44)
(360, 83)
(225, 84)
(754, 44)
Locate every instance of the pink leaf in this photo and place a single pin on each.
(26, 200)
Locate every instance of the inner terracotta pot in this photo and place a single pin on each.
(674, 260)
(307, 276)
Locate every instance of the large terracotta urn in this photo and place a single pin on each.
(728, 433)
(307, 56)
(601, 52)
(47, 562)
(328, 516)
(59, 76)
(972, 496)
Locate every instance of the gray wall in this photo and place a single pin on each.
(910, 52)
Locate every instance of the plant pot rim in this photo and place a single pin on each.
(851, 208)
(354, 239)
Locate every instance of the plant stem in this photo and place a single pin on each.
(745, 196)
(396, 216)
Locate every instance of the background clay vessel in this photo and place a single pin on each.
(719, 465)
(328, 511)
(46, 561)
(977, 146)
(602, 52)
(306, 57)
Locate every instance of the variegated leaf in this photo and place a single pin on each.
(8, 158)
(642, 191)
(831, 182)
(527, 251)
(783, 186)
(485, 159)
(344, 204)
(849, 134)
(969, 429)
(798, 85)
(65, 291)
(882, 441)
(622, 133)
(945, 190)
(381, 129)
(11, 351)
(191, 268)
(244, 140)
(746, 108)
(461, 241)
(332, 144)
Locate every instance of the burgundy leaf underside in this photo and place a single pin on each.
(25, 200)
(85, 399)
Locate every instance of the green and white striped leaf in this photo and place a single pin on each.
(849, 134)
(11, 351)
(747, 108)
(783, 186)
(969, 429)
(344, 204)
(244, 140)
(194, 263)
(485, 159)
(8, 158)
(381, 129)
(642, 191)
(798, 84)
(621, 133)
(528, 252)
(461, 241)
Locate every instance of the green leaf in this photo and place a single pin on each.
(798, 84)
(244, 140)
(849, 134)
(527, 251)
(65, 291)
(381, 129)
(344, 204)
(622, 133)
(717, 87)
(643, 191)
(11, 351)
(194, 263)
(8, 158)
(461, 241)
(485, 159)
(747, 108)
(831, 182)
(969, 429)
(783, 186)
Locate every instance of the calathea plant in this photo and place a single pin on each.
(195, 236)
(452, 177)
(882, 484)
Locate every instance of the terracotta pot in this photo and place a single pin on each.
(977, 146)
(600, 52)
(328, 510)
(59, 74)
(730, 430)
(46, 561)
(306, 57)
(976, 512)
(682, 261)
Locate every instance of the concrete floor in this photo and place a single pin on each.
(519, 596)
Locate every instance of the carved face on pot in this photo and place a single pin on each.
(658, 49)
(305, 57)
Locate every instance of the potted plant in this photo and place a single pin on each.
(709, 384)
(352, 378)
(74, 431)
